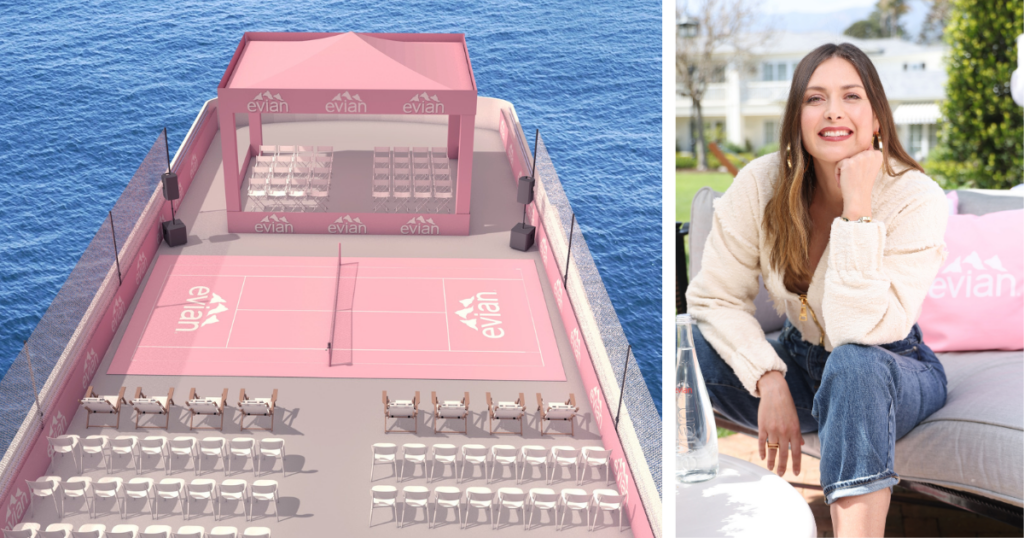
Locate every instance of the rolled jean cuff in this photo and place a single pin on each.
(861, 486)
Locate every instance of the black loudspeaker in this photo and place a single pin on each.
(174, 233)
(170, 180)
(525, 193)
(523, 236)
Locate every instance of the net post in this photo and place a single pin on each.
(35, 392)
(334, 313)
(568, 251)
(622, 388)
(117, 258)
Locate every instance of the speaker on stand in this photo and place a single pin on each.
(174, 231)
(523, 235)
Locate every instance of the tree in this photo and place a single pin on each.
(934, 22)
(981, 141)
(715, 25)
(884, 21)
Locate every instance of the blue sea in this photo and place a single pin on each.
(88, 85)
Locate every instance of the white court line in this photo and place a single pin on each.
(357, 278)
(448, 330)
(533, 321)
(235, 315)
(152, 311)
(347, 349)
(157, 361)
(339, 310)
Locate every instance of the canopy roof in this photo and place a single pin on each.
(429, 62)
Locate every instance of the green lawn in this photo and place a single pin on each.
(687, 185)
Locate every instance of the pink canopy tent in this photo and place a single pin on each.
(349, 73)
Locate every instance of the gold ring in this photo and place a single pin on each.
(773, 445)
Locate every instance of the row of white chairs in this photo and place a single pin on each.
(147, 489)
(296, 150)
(402, 176)
(97, 530)
(291, 185)
(565, 457)
(511, 499)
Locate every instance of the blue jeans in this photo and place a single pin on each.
(860, 400)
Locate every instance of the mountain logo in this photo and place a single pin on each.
(274, 225)
(577, 344)
(16, 507)
(92, 361)
(140, 267)
(421, 103)
(544, 248)
(972, 277)
(58, 426)
(596, 403)
(345, 103)
(347, 225)
(420, 226)
(200, 299)
(482, 313)
(193, 167)
(559, 291)
(621, 476)
(118, 311)
(267, 102)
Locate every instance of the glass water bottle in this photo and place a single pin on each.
(696, 434)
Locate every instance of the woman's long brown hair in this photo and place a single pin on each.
(787, 220)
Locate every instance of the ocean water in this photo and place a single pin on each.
(88, 85)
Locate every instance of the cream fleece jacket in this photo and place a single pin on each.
(867, 289)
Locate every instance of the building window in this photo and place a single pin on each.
(913, 66)
(916, 140)
(780, 73)
(932, 137)
(771, 133)
(767, 71)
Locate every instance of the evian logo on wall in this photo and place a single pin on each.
(267, 102)
(559, 291)
(422, 103)
(58, 426)
(597, 404)
(16, 507)
(92, 361)
(200, 300)
(193, 167)
(141, 264)
(577, 344)
(958, 279)
(343, 103)
(118, 311)
(621, 477)
(274, 225)
(420, 226)
(482, 313)
(347, 225)
(544, 248)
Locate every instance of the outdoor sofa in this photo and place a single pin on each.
(970, 453)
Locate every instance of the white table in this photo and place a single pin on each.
(743, 500)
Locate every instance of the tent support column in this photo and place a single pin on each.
(464, 177)
(453, 136)
(255, 132)
(229, 154)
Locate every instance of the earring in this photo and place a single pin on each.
(789, 161)
(877, 142)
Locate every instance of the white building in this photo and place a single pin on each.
(747, 104)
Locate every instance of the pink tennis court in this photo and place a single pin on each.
(395, 318)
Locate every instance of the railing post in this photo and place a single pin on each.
(568, 251)
(117, 259)
(35, 393)
(622, 387)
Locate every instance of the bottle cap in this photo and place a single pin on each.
(684, 319)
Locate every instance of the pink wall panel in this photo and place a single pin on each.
(348, 223)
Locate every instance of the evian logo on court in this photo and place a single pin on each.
(482, 313)
(421, 103)
(92, 361)
(274, 225)
(267, 102)
(347, 225)
(344, 103)
(201, 309)
(16, 508)
(959, 279)
(118, 312)
(420, 226)
(597, 404)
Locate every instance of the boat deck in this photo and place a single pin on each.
(329, 424)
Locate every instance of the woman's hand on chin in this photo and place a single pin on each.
(856, 177)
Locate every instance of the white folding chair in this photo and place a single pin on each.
(512, 499)
(45, 486)
(157, 531)
(213, 446)
(201, 489)
(422, 189)
(107, 405)
(441, 176)
(170, 489)
(123, 445)
(96, 444)
(504, 455)
(473, 455)
(447, 497)
(56, 530)
(122, 531)
(451, 410)
(320, 189)
(559, 411)
(23, 530)
(158, 405)
(190, 531)
(277, 187)
(233, 490)
(401, 409)
(402, 177)
(298, 187)
(606, 500)
(263, 407)
(154, 446)
(382, 174)
(256, 532)
(184, 446)
(542, 499)
(268, 150)
(90, 530)
(242, 447)
(481, 499)
(444, 454)
(562, 457)
(536, 456)
(498, 411)
(594, 456)
(415, 453)
(223, 532)
(64, 445)
(108, 487)
(325, 149)
(384, 497)
(140, 488)
(384, 453)
(264, 490)
(307, 149)
(271, 447)
(284, 151)
(414, 497)
(76, 487)
(573, 500)
(208, 406)
(258, 185)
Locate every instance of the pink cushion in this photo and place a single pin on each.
(976, 302)
(954, 202)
